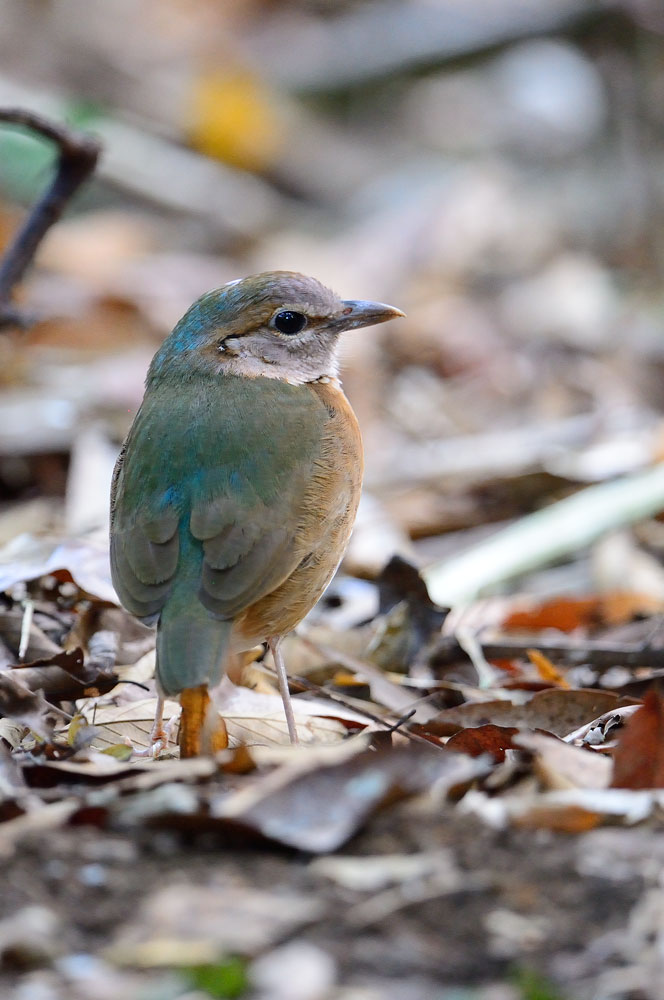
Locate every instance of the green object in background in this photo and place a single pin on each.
(533, 986)
(25, 164)
(227, 978)
(27, 159)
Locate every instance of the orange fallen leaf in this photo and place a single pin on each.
(546, 669)
(569, 613)
(561, 819)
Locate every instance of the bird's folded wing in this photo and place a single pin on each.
(249, 547)
(232, 500)
(144, 547)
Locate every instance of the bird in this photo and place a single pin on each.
(236, 489)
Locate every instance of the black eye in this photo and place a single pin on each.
(290, 322)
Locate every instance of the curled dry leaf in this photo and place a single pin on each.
(602, 732)
(555, 711)
(571, 810)
(28, 707)
(559, 765)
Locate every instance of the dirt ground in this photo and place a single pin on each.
(568, 918)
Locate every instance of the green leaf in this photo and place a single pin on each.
(533, 986)
(118, 750)
(225, 979)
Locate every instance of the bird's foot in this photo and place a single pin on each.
(161, 736)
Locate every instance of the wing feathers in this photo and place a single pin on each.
(201, 495)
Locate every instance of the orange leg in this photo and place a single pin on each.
(201, 728)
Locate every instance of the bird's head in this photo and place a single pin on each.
(279, 324)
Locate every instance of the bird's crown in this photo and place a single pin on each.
(279, 324)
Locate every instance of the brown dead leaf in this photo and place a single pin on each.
(638, 761)
(484, 739)
(555, 711)
(71, 661)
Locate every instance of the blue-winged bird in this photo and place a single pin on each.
(236, 490)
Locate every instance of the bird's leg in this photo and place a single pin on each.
(158, 735)
(275, 648)
(202, 730)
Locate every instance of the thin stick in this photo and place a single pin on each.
(78, 155)
(599, 655)
(388, 727)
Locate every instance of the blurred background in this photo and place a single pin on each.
(492, 167)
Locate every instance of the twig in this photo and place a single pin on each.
(388, 727)
(600, 655)
(78, 154)
(545, 536)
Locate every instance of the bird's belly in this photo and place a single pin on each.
(326, 519)
(281, 610)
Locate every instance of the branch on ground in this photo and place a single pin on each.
(78, 155)
(600, 655)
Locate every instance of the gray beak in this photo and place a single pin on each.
(358, 313)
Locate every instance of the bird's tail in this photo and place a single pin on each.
(192, 646)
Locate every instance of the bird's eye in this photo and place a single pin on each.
(290, 322)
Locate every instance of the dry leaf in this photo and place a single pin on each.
(28, 707)
(85, 559)
(483, 739)
(638, 761)
(569, 613)
(320, 809)
(560, 765)
(546, 669)
(128, 722)
(555, 711)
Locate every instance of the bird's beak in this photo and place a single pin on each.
(357, 313)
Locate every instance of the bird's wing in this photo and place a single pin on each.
(233, 472)
(144, 531)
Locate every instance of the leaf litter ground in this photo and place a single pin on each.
(432, 831)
